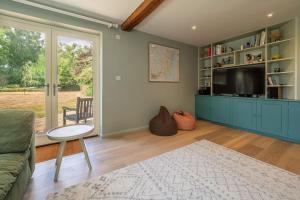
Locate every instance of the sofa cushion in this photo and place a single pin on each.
(16, 127)
(13, 162)
(6, 183)
(11, 165)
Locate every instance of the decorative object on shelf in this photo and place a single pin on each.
(226, 60)
(217, 65)
(275, 67)
(270, 81)
(209, 51)
(275, 57)
(204, 91)
(218, 49)
(230, 49)
(276, 80)
(253, 57)
(163, 63)
(207, 84)
(248, 45)
(275, 35)
(255, 41)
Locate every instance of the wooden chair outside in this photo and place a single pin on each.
(83, 111)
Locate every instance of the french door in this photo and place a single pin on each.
(45, 69)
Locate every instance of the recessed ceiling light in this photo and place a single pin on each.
(270, 15)
(194, 27)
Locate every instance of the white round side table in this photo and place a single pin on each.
(68, 133)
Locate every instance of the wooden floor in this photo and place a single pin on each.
(119, 151)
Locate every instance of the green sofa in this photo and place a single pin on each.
(17, 152)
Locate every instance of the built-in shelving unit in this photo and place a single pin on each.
(276, 52)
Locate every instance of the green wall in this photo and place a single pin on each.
(298, 55)
(133, 101)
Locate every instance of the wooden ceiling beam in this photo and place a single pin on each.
(140, 13)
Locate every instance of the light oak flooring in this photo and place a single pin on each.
(118, 151)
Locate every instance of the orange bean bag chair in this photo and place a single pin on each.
(185, 121)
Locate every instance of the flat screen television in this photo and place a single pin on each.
(245, 81)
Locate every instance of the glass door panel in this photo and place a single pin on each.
(47, 71)
(23, 80)
(74, 80)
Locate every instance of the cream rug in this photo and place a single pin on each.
(202, 170)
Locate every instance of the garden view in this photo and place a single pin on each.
(22, 72)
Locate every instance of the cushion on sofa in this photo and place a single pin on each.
(6, 182)
(13, 162)
(15, 130)
(11, 165)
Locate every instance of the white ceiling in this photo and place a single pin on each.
(215, 19)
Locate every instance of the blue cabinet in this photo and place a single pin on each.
(272, 117)
(244, 113)
(203, 107)
(278, 118)
(220, 109)
(294, 121)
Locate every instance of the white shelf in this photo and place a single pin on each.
(278, 73)
(256, 63)
(251, 48)
(207, 69)
(205, 58)
(280, 41)
(205, 78)
(280, 85)
(224, 54)
(239, 65)
(280, 59)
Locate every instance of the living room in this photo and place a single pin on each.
(137, 99)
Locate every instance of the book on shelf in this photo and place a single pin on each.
(257, 40)
(270, 81)
(262, 38)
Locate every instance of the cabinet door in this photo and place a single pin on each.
(244, 113)
(294, 121)
(272, 117)
(203, 107)
(220, 109)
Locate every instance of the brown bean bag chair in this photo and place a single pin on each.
(185, 121)
(163, 124)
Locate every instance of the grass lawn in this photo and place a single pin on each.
(35, 101)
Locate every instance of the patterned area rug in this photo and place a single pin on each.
(202, 170)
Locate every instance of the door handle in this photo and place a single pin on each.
(48, 87)
(54, 89)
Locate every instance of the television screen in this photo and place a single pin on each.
(245, 81)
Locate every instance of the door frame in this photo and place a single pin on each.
(84, 36)
(21, 24)
(48, 27)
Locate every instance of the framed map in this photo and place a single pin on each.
(163, 63)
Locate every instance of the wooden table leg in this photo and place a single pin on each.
(85, 153)
(59, 158)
